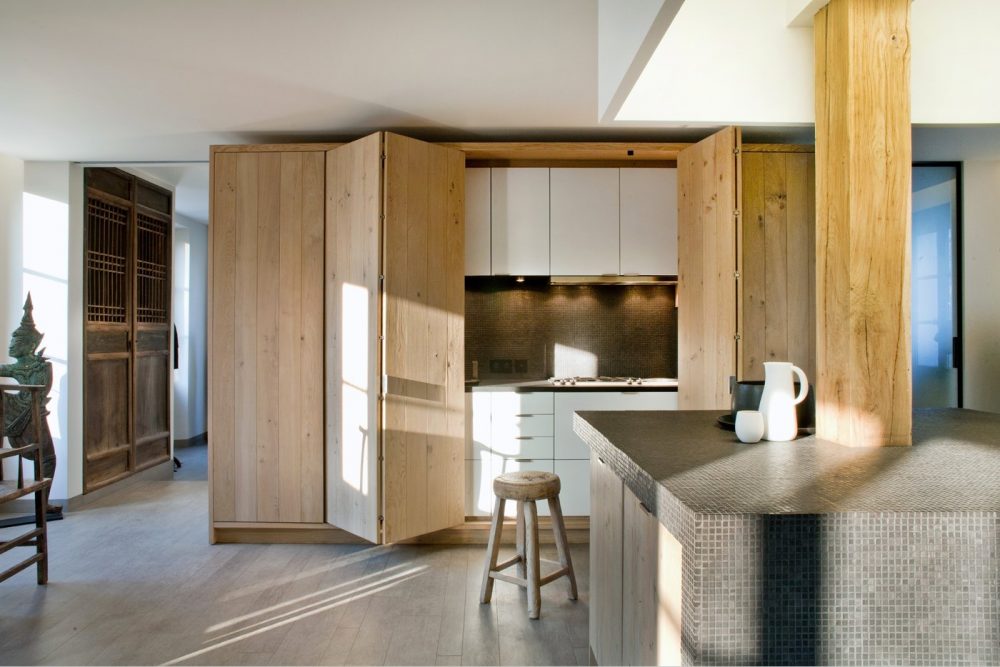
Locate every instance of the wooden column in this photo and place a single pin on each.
(863, 171)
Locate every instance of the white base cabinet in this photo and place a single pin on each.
(508, 431)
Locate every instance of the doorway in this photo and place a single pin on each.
(936, 286)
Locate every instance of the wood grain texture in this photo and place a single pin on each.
(651, 589)
(423, 235)
(863, 173)
(606, 555)
(561, 150)
(222, 333)
(708, 184)
(353, 369)
(266, 335)
(778, 271)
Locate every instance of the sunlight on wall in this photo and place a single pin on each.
(354, 378)
(45, 249)
(569, 361)
(182, 321)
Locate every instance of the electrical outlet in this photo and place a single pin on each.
(520, 365)
(501, 365)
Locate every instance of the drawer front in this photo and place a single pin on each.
(512, 428)
(512, 404)
(524, 447)
(568, 445)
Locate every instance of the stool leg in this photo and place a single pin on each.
(492, 551)
(520, 541)
(531, 548)
(562, 544)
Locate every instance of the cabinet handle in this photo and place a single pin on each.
(524, 437)
(645, 508)
(602, 461)
(525, 414)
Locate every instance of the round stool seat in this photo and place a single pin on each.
(526, 485)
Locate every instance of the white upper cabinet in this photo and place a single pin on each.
(520, 229)
(584, 222)
(477, 221)
(648, 221)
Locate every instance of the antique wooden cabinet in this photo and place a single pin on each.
(128, 231)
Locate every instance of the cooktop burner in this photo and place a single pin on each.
(576, 379)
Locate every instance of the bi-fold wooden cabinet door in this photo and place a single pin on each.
(395, 337)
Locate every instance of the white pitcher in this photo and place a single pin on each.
(778, 401)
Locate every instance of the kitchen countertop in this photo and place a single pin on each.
(661, 384)
(953, 465)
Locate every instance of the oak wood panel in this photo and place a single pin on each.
(222, 334)
(778, 303)
(863, 172)
(311, 369)
(708, 183)
(353, 369)
(651, 589)
(563, 150)
(269, 353)
(273, 148)
(423, 446)
(245, 335)
(606, 534)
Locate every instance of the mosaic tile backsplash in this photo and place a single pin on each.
(566, 330)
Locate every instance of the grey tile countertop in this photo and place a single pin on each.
(682, 458)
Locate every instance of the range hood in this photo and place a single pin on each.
(613, 280)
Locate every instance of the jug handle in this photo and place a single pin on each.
(803, 384)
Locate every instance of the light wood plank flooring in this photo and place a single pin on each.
(133, 580)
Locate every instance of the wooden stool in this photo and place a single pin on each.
(525, 488)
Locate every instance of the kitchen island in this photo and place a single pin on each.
(805, 552)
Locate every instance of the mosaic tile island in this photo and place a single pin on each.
(809, 552)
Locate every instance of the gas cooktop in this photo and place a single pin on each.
(607, 380)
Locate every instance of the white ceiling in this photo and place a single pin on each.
(106, 80)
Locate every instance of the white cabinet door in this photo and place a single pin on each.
(479, 487)
(584, 222)
(478, 426)
(575, 479)
(520, 221)
(477, 221)
(649, 221)
(568, 445)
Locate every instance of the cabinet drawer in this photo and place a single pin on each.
(568, 445)
(524, 447)
(512, 404)
(513, 428)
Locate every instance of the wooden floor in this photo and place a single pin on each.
(133, 580)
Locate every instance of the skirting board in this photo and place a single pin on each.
(475, 530)
(194, 441)
(163, 472)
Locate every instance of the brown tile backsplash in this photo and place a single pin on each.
(565, 330)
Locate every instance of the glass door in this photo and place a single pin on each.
(936, 275)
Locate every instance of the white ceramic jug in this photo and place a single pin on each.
(778, 401)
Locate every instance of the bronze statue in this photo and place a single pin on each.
(30, 367)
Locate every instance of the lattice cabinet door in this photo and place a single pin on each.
(127, 380)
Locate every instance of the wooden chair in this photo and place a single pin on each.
(526, 488)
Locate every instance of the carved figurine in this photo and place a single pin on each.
(30, 367)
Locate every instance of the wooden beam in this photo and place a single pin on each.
(574, 150)
(863, 172)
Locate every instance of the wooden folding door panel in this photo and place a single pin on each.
(107, 433)
(152, 241)
(266, 362)
(353, 352)
(424, 318)
(708, 176)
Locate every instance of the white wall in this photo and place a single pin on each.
(981, 284)
(52, 270)
(189, 300)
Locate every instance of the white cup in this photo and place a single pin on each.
(749, 426)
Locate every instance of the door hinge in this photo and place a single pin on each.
(736, 274)
(736, 212)
(381, 519)
(736, 150)
(738, 337)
